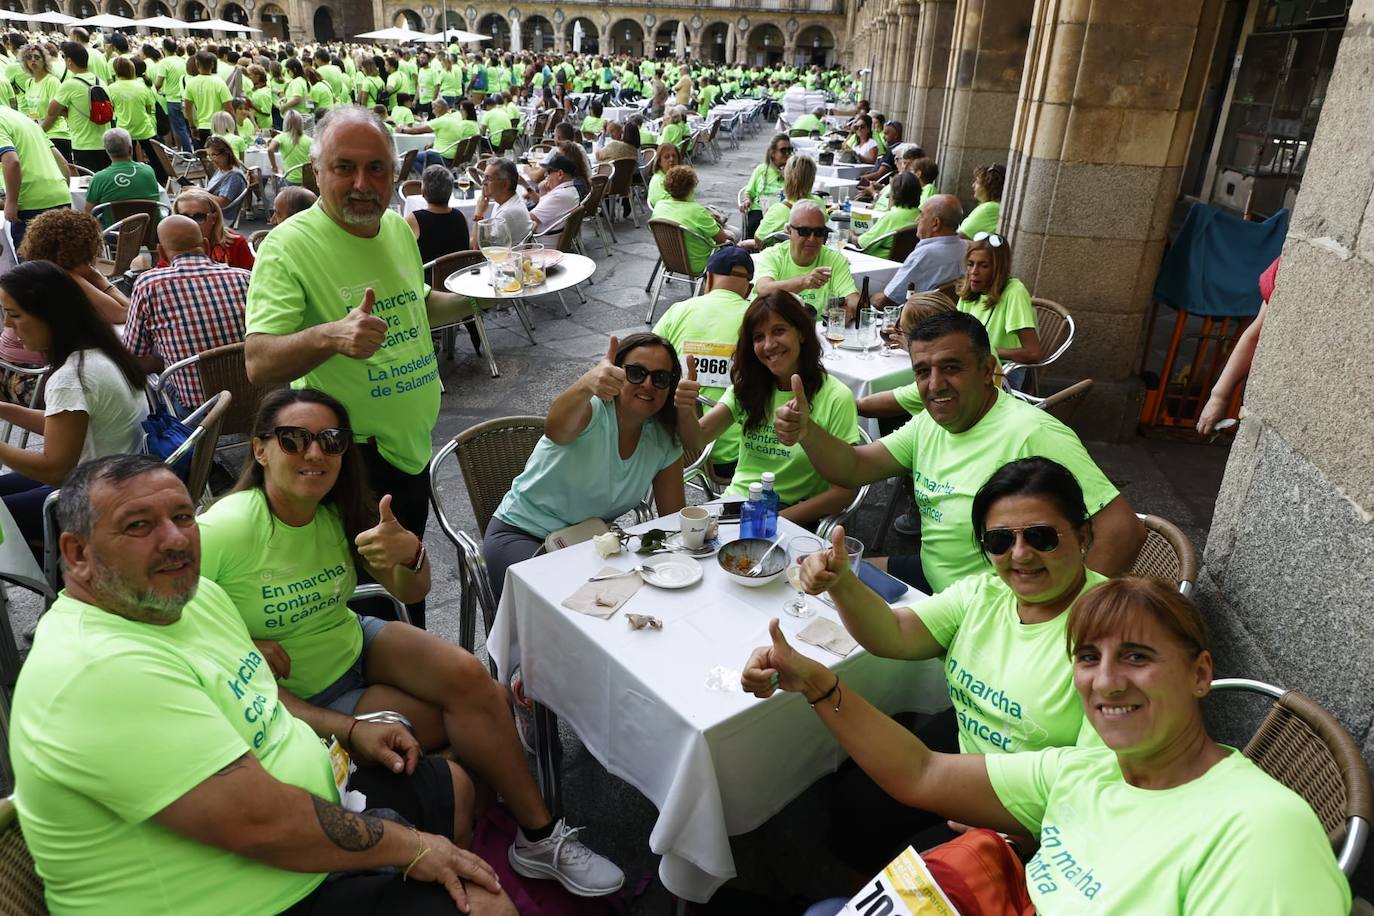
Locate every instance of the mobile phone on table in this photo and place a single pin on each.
(731, 511)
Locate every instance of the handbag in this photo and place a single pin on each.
(163, 435)
(981, 874)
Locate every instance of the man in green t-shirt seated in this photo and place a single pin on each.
(968, 430)
(805, 267)
(810, 123)
(159, 770)
(122, 179)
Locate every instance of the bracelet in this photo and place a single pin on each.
(827, 694)
(418, 856)
(348, 742)
(419, 561)
(107, 287)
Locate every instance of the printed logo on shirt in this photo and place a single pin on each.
(1055, 866)
(299, 599)
(255, 705)
(988, 711)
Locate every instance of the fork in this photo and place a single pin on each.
(637, 569)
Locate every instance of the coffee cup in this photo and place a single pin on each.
(695, 521)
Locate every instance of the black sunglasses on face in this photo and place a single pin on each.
(198, 217)
(1042, 538)
(295, 440)
(820, 232)
(636, 374)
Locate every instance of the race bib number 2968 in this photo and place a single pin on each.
(713, 361)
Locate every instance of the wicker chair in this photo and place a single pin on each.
(122, 209)
(447, 323)
(410, 188)
(1166, 554)
(1055, 326)
(619, 188)
(255, 240)
(675, 264)
(204, 439)
(403, 172)
(129, 234)
(307, 176)
(1062, 405)
(592, 213)
(221, 369)
(1305, 747)
(21, 890)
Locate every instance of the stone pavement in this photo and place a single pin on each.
(1173, 480)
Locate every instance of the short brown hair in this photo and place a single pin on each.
(680, 181)
(68, 238)
(1115, 605)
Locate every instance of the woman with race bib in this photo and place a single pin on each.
(777, 360)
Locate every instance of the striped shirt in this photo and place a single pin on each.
(189, 307)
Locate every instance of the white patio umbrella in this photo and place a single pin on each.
(52, 18)
(466, 36)
(109, 21)
(224, 25)
(577, 37)
(162, 23)
(516, 39)
(681, 49)
(730, 45)
(391, 34)
(427, 38)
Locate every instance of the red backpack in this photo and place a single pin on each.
(102, 110)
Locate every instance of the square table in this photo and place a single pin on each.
(662, 709)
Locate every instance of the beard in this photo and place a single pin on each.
(355, 215)
(142, 603)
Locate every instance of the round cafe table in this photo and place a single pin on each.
(571, 270)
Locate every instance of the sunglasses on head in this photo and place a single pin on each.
(295, 440)
(636, 374)
(992, 238)
(820, 232)
(1042, 538)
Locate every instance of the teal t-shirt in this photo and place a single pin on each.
(983, 219)
(1011, 683)
(776, 263)
(1231, 841)
(566, 484)
(694, 216)
(707, 327)
(290, 585)
(309, 271)
(795, 479)
(113, 721)
(1012, 313)
(949, 468)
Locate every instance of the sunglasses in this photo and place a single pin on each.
(635, 374)
(992, 238)
(1041, 538)
(295, 440)
(198, 217)
(820, 232)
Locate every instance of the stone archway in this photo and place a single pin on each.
(83, 9)
(274, 22)
(537, 34)
(590, 35)
(323, 22)
(234, 13)
(495, 25)
(408, 19)
(815, 45)
(155, 8)
(122, 8)
(665, 39)
(193, 11)
(766, 45)
(626, 36)
(713, 41)
(12, 6)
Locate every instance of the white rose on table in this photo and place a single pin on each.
(607, 545)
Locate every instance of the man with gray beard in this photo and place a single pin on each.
(339, 302)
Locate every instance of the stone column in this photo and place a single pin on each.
(881, 63)
(935, 29)
(905, 50)
(987, 59)
(1102, 127)
(1288, 572)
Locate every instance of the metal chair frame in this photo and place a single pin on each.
(439, 270)
(680, 270)
(1166, 549)
(1053, 314)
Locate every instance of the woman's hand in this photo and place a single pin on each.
(1212, 414)
(450, 866)
(688, 389)
(746, 204)
(606, 380)
(825, 569)
(388, 544)
(780, 667)
(278, 659)
(384, 744)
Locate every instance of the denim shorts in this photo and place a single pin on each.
(343, 695)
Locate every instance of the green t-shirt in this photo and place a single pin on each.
(122, 181)
(74, 93)
(1231, 841)
(42, 184)
(1012, 313)
(909, 398)
(1011, 682)
(290, 585)
(207, 95)
(707, 326)
(338, 83)
(982, 219)
(173, 72)
(35, 101)
(832, 408)
(776, 216)
(673, 133)
(777, 264)
(891, 221)
(113, 721)
(591, 125)
(765, 184)
(451, 82)
(449, 129)
(495, 120)
(809, 123)
(262, 106)
(948, 468)
(656, 190)
(297, 87)
(321, 98)
(370, 86)
(99, 64)
(292, 154)
(427, 83)
(309, 271)
(133, 107)
(694, 216)
(402, 116)
(237, 142)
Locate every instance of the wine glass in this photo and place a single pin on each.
(464, 183)
(798, 549)
(493, 239)
(834, 327)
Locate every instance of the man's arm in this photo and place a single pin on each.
(55, 110)
(814, 279)
(834, 459)
(14, 177)
(1117, 538)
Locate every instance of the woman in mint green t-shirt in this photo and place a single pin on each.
(987, 190)
(1001, 302)
(777, 358)
(1161, 820)
(903, 213)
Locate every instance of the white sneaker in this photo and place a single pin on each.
(564, 858)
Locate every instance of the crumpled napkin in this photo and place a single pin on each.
(829, 635)
(644, 621)
(604, 598)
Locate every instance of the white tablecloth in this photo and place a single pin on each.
(715, 762)
(255, 157)
(839, 188)
(843, 171)
(79, 184)
(621, 113)
(468, 207)
(884, 371)
(406, 142)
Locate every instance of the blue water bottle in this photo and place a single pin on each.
(750, 523)
(769, 517)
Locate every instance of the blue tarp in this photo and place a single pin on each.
(1213, 267)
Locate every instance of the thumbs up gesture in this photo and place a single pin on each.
(793, 420)
(685, 398)
(387, 544)
(606, 380)
(821, 571)
(778, 666)
(359, 334)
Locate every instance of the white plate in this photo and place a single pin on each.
(671, 571)
(852, 344)
(708, 548)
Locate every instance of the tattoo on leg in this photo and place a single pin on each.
(346, 830)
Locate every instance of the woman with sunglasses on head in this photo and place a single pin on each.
(1001, 302)
(777, 358)
(222, 244)
(765, 183)
(608, 439)
(287, 546)
(1156, 817)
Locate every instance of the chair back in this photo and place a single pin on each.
(647, 157)
(160, 151)
(130, 234)
(903, 243)
(541, 123)
(491, 455)
(1305, 747)
(595, 195)
(1062, 405)
(505, 141)
(122, 209)
(410, 188)
(622, 176)
(442, 268)
(210, 427)
(671, 240)
(464, 150)
(255, 240)
(406, 167)
(571, 232)
(1166, 554)
(21, 890)
(224, 369)
(1055, 326)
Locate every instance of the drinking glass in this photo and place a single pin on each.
(464, 183)
(493, 239)
(892, 318)
(530, 257)
(869, 322)
(798, 549)
(834, 327)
